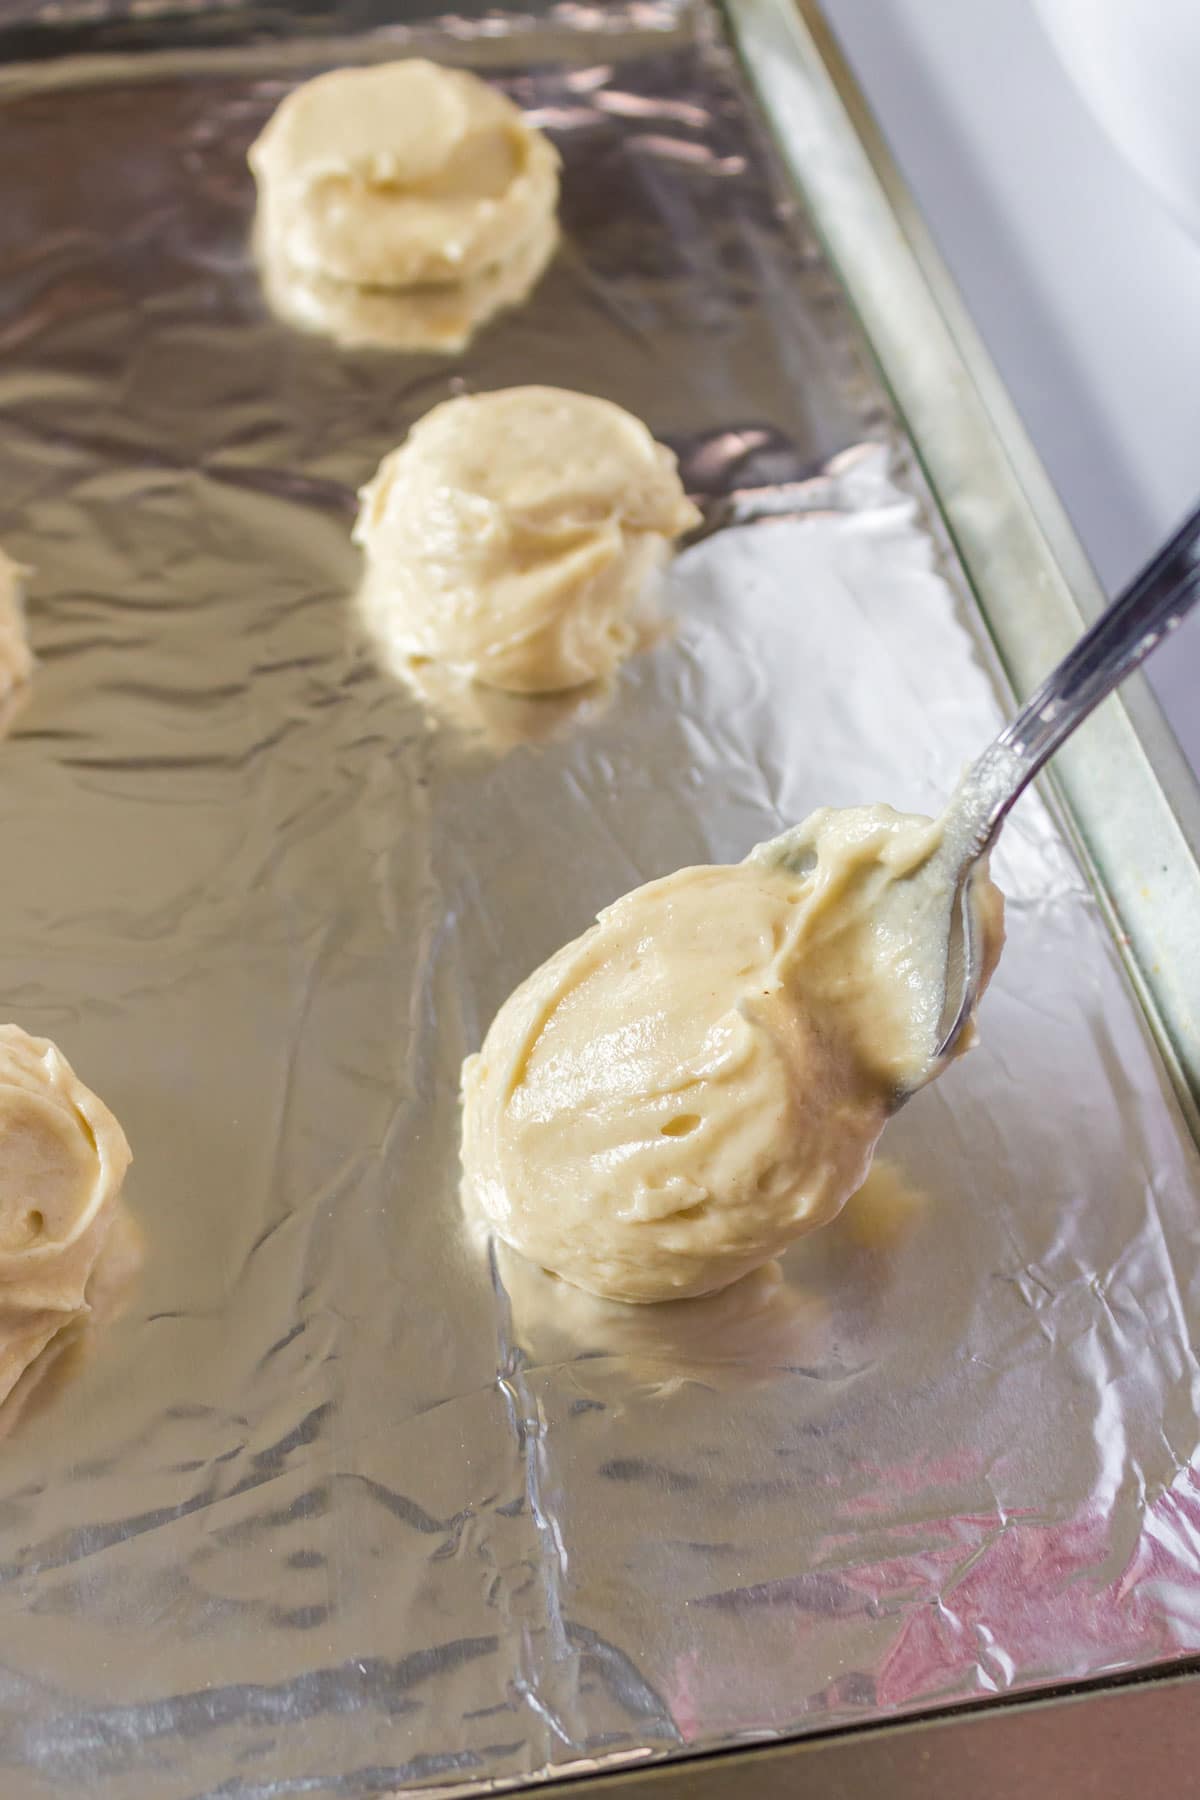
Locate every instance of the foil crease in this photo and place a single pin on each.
(348, 1502)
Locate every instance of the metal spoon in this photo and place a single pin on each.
(1124, 635)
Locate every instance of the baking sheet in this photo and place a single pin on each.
(347, 1503)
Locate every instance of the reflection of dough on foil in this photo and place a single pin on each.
(16, 658)
(886, 1210)
(743, 1335)
(66, 1344)
(493, 720)
(12, 707)
(439, 317)
(119, 1263)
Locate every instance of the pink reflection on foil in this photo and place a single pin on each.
(983, 1603)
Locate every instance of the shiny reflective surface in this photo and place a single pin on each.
(331, 1509)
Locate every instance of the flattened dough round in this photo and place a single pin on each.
(401, 174)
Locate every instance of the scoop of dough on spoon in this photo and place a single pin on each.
(704, 1074)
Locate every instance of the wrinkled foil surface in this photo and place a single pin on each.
(348, 1501)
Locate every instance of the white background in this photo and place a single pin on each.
(1085, 289)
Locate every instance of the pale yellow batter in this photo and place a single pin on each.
(703, 1076)
(63, 1158)
(401, 174)
(515, 536)
(16, 658)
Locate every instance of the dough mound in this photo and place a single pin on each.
(515, 536)
(16, 658)
(401, 174)
(63, 1158)
(703, 1075)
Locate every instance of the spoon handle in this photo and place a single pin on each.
(1153, 604)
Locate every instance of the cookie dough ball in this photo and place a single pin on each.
(63, 1158)
(515, 536)
(401, 174)
(703, 1076)
(16, 658)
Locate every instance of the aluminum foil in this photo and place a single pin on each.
(347, 1502)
